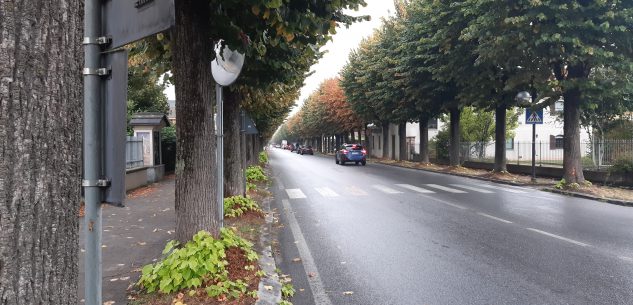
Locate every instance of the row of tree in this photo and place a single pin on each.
(41, 118)
(437, 57)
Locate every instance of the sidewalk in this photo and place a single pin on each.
(133, 236)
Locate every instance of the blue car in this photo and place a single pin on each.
(351, 153)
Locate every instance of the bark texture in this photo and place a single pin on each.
(455, 137)
(424, 139)
(41, 110)
(500, 139)
(402, 141)
(233, 171)
(572, 165)
(196, 206)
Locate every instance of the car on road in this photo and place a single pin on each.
(306, 150)
(351, 153)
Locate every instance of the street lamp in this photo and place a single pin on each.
(225, 69)
(525, 97)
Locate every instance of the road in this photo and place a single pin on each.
(385, 235)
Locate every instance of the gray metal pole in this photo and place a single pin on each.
(220, 151)
(243, 149)
(91, 150)
(533, 152)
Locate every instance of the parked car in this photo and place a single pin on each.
(290, 147)
(306, 150)
(351, 153)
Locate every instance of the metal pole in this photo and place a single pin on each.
(243, 149)
(533, 152)
(220, 152)
(92, 155)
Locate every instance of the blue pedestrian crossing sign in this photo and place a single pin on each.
(533, 117)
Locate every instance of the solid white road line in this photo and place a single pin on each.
(355, 190)
(626, 258)
(279, 183)
(326, 192)
(575, 242)
(495, 218)
(472, 188)
(447, 189)
(507, 188)
(314, 279)
(295, 193)
(385, 189)
(415, 188)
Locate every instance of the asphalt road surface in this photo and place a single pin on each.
(377, 234)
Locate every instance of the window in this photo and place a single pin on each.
(510, 144)
(559, 142)
(432, 124)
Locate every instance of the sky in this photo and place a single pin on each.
(344, 41)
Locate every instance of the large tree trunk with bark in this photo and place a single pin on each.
(196, 206)
(233, 173)
(572, 165)
(40, 150)
(385, 140)
(402, 141)
(455, 137)
(500, 139)
(424, 139)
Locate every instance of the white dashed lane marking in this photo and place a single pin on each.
(415, 188)
(295, 193)
(506, 189)
(495, 218)
(326, 192)
(446, 189)
(575, 242)
(472, 188)
(385, 189)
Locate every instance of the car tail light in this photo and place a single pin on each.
(364, 152)
(344, 151)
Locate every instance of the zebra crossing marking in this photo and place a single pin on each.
(295, 194)
(326, 192)
(385, 189)
(355, 190)
(415, 188)
(506, 189)
(447, 189)
(476, 189)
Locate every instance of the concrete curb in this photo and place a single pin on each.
(586, 196)
(269, 290)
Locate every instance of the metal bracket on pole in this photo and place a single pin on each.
(102, 41)
(97, 71)
(97, 183)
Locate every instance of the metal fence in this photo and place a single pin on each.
(133, 152)
(594, 154)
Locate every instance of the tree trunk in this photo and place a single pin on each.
(366, 142)
(353, 137)
(196, 206)
(500, 139)
(424, 139)
(40, 150)
(402, 139)
(572, 165)
(455, 137)
(233, 172)
(385, 140)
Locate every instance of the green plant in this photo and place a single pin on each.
(263, 157)
(200, 262)
(250, 186)
(255, 173)
(237, 205)
(560, 184)
(284, 302)
(287, 291)
(622, 165)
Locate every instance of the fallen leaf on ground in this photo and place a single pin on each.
(296, 259)
(142, 243)
(348, 292)
(124, 278)
(108, 302)
(301, 289)
(311, 274)
(268, 287)
(114, 280)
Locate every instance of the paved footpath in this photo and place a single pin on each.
(133, 236)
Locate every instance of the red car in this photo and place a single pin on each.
(351, 153)
(306, 150)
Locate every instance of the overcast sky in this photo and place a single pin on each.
(344, 41)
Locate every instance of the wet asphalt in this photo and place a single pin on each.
(378, 234)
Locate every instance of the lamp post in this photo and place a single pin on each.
(225, 69)
(526, 97)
